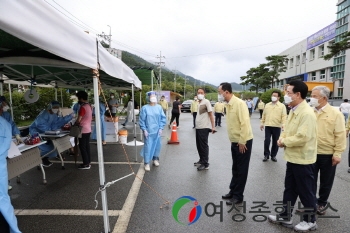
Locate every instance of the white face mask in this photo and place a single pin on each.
(273, 98)
(221, 98)
(153, 99)
(5, 108)
(287, 99)
(195, 98)
(200, 96)
(54, 110)
(314, 102)
(112, 97)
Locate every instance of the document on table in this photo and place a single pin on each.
(13, 151)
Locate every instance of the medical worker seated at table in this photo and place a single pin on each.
(152, 121)
(4, 107)
(48, 120)
(103, 123)
(8, 221)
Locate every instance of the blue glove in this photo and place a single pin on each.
(160, 132)
(145, 133)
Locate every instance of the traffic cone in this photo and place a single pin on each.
(173, 138)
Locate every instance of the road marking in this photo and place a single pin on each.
(116, 163)
(125, 214)
(26, 212)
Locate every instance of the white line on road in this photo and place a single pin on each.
(65, 212)
(125, 214)
(115, 163)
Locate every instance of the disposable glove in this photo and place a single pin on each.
(160, 132)
(145, 133)
(19, 139)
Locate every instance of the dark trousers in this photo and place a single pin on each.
(202, 145)
(84, 146)
(299, 181)
(250, 110)
(240, 167)
(261, 112)
(175, 116)
(194, 114)
(349, 154)
(273, 132)
(218, 119)
(4, 226)
(327, 172)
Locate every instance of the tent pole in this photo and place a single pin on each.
(56, 93)
(134, 119)
(140, 105)
(10, 92)
(1, 84)
(61, 99)
(100, 155)
(152, 79)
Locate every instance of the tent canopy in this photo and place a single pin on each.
(38, 43)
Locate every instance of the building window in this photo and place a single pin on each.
(312, 54)
(313, 76)
(341, 81)
(321, 51)
(291, 62)
(304, 58)
(323, 74)
(340, 92)
(297, 62)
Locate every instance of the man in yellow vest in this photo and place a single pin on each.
(194, 109)
(164, 104)
(261, 107)
(219, 111)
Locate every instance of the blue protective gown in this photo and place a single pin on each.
(46, 122)
(152, 119)
(6, 208)
(14, 128)
(103, 124)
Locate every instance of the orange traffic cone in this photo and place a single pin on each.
(173, 138)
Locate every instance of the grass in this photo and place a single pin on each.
(24, 122)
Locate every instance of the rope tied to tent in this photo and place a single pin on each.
(103, 187)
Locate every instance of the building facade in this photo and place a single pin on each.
(306, 63)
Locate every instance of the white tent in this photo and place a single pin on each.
(37, 42)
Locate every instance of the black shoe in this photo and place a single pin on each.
(197, 163)
(227, 196)
(84, 167)
(193, 127)
(265, 159)
(123, 124)
(274, 159)
(233, 202)
(46, 162)
(203, 167)
(349, 170)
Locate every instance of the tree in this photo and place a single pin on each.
(277, 65)
(338, 47)
(258, 77)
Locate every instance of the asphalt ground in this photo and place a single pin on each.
(66, 203)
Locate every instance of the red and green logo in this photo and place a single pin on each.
(194, 213)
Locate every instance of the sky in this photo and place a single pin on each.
(213, 41)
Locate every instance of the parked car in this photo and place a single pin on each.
(186, 106)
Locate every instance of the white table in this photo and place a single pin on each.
(61, 143)
(30, 158)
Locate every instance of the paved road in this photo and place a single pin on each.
(66, 203)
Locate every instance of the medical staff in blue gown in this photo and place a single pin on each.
(6, 208)
(48, 120)
(103, 124)
(152, 120)
(4, 107)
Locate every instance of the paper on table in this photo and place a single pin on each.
(13, 151)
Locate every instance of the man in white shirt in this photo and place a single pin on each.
(345, 109)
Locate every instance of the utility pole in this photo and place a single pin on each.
(174, 79)
(185, 88)
(160, 63)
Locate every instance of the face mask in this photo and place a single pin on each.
(112, 96)
(200, 96)
(314, 102)
(5, 108)
(287, 99)
(54, 110)
(153, 99)
(195, 98)
(221, 98)
(273, 98)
